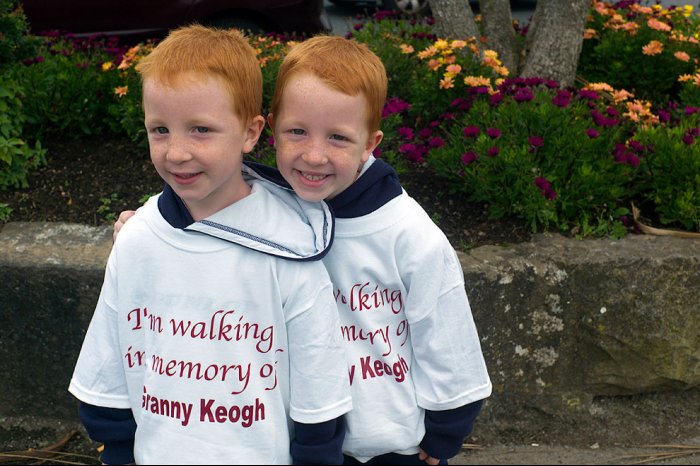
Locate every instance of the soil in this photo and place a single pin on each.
(91, 181)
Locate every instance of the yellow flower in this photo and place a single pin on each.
(108, 65)
(405, 48)
(682, 56)
(441, 44)
(653, 48)
(687, 10)
(491, 54)
(502, 70)
(685, 77)
(121, 91)
(447, 83)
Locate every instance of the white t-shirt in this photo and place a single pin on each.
(215, 347)
(408, 329)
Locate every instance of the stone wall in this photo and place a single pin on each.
(561, 321)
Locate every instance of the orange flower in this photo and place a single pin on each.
(658, 25)
(447, 83)
(477, 81)
(454, 69)
(590, 33)
(603, 87)
(619, 96)
(427, 53)
(653, 48)
(682, 56)
(121, 91)
(405, 48)
(434, 64)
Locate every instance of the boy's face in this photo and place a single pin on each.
(321, 137)
(197, 141)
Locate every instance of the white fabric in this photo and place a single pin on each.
(233, 342)
(407, 325)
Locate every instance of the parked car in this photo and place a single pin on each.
(153, 18)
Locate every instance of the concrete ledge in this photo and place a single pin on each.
(564, 323)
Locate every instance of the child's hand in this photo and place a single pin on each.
(423, 456)
(123, 217)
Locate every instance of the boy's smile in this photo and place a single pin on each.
(321, 136)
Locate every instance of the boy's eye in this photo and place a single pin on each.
(297, 131)
(161, 130)
(339, 137)
(202, 129)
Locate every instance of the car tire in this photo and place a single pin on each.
(408, 7)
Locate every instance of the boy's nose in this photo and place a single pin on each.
(178, 150)
(315, 154)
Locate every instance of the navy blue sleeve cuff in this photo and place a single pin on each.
(446, 430)
(115, 428)
(318, 443)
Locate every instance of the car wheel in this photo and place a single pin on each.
(409, 7)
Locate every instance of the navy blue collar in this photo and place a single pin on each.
(173, 209)
(377, 186)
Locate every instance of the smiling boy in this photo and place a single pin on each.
(215, 330)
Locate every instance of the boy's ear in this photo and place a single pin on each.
(372, 142)
(253, 133)
(271, 121)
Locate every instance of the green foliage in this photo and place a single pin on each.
(5, 212)
(672, 169)
(15, 44)
(570, 159)
(105, 209)
(66, 90)
(641, 50)
(528, 157)
(17, 158)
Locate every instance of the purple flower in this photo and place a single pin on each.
(613, 112)
(690, 110)
(436, 143)
(413, 152)
(552, 84)
(271, 141)
(562, 99)
(493, 151)
(636, 146)
(469, 157)
(405, 132)
(592, 133)
(471, 131)
(688, 139)
(523, 95)
(495, 99)
(461, 104)
(493, 133)
(545, 188)
(535, 143)
(425, 133)
(588, 94)
(394, 105)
